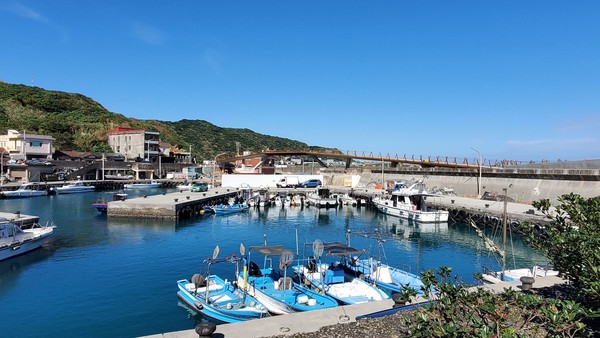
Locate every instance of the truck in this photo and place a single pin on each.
(288, 182)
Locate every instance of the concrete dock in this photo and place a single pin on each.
(169, 206)
(20, 219)
(313, 320)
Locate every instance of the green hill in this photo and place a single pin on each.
(79, 123)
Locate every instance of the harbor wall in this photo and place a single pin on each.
(522, 190)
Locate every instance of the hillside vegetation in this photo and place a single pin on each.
(79, 123)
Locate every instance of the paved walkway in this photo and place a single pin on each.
(313, 320)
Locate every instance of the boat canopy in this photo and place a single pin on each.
(340, 249)
(269, 250)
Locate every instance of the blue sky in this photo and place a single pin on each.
(513, 79)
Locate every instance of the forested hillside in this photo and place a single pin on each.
(79, 123)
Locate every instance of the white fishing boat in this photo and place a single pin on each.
(410, 203)
(374, 268)
(74, 187)
(15, 241)
(333, 279)
(322, 198)
(514, 275)
(346, 199)
(143, 185)
(25, 190)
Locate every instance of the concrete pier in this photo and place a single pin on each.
(169, 206)
(25, 221)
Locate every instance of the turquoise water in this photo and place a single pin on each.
(100, 277)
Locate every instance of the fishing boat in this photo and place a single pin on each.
(409, 202)
(490, 276)
(333, 279)
(275, 289)
(375, 270)
(225, 209)
(322, 198)
(102, 205)
(15, 241)
(143, 185)
(514, 275)
(219, 299)
(25, 190)
(74, 187)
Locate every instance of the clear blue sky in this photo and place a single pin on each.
(513, 79)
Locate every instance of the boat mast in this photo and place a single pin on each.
(504, 234)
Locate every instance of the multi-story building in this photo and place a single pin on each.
(135, 144)
(25, 146)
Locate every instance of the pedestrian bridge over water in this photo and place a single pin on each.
(395, 160)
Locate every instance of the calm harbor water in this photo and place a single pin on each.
(100, 277)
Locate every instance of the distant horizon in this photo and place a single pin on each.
(466, 79)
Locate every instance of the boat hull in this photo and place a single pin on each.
(225, 303)
(349, 290)
(31, 240)
(24, 194)
(437, 216)
(142, 186)
(388, 278)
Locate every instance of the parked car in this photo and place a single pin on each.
(311, 184)
(199, 187)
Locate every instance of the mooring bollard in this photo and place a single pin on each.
(527, 283)
(205, 329)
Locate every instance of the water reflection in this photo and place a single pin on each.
(114, 257)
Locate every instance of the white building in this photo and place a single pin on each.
(135, 143)
(25, 146)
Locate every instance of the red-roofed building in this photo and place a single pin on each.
(135, 143)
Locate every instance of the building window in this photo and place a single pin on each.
(35, 144)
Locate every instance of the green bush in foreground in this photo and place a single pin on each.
(459, 311)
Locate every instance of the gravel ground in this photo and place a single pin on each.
(388, 327)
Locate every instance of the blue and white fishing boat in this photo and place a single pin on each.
(275, 289)
(375, 271)
(219, 299)
(333, 279)
(224, 209)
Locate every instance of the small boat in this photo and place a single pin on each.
(348, 200)
(15, 241)
(409, 203)
(102, 205)
(74, 187)
(374, 270)
(185, 186)
(322, 198)
(514, 275)
(217, 298)
(24, 191)
(147, 185)
(224, 209)
(333, 279)
(275, 289)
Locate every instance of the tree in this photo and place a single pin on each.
(571, 241)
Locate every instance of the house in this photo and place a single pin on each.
(23, 146)
(135, 144)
